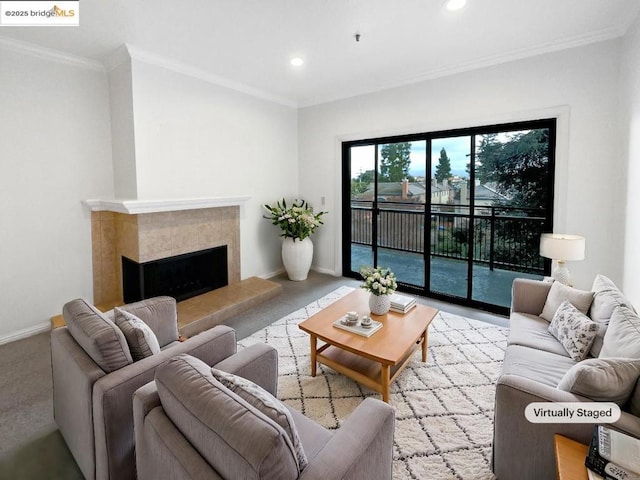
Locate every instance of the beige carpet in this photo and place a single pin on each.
(444, 408)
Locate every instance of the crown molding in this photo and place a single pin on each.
(116, 58)
(489, 61)
(36, 51)
(134, 207)
(188, 70)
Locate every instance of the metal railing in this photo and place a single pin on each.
(503, 237)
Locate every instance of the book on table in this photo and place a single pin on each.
(402, 303)
(614, 455)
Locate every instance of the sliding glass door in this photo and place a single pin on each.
(456, 215)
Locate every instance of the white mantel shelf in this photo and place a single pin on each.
(134, 207)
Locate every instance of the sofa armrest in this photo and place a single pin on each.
(258, 363)
(161, 314)
(524, 450)
(529, 296)
(361, 449)
(112, 398)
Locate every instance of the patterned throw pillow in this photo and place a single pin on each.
(141, 339)
(266, 403)
(574, 330)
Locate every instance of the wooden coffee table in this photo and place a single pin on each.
(373, 361)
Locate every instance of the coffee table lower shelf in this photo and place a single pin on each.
(372, 374)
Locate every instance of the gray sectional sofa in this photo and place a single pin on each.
(538, 368)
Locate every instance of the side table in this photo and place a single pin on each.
(570, 456)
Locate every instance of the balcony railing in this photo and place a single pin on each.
(500, 237)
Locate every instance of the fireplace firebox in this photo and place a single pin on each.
(181, 276)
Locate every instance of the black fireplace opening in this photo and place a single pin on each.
(181, 277)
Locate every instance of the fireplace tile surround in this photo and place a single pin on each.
(155, 235)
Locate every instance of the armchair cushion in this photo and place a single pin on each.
(267, 404)
(97, 335)
(233, 437)
(161, 314)
(623, 335)
(574, 330)
(140, 338)
(558, 293)
(603, 380)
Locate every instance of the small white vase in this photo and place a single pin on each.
(297, 256)
(379, 304)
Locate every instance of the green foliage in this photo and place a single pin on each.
(395, 162)
(297, 221)
(519, 167)
(361, 183)
(443, 169)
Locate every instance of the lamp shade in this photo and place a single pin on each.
(560, 246)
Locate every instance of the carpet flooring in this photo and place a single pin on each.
(444, 407)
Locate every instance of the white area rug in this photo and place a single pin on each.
(444, 408)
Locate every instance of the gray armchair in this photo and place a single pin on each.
(93, 390)
(184, 430)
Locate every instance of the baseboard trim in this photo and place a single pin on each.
(25, 333)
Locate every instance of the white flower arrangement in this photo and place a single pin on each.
(296, 221)
(379, 280)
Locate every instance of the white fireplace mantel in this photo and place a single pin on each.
(133, 207)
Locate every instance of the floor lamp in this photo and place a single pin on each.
(562, 247)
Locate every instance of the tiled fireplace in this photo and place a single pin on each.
(142, 232)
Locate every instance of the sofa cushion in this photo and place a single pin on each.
(537, 365)
(623, 335)
(574, 330)
(558, 293)
(99, 337)
(266, 403)
(533, 331)
(140, 338)
(232, 436)
(606, 297)
(603, 380)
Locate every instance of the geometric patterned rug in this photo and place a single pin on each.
(444, 407)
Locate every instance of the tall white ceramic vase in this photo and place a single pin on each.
(379, 304)
(297, 256)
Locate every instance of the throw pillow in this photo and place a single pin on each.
(623, 335)
(606, 297)
(266, 403)
(574, 330)
(558, 293)
(98, 336)
(602, 380)
(141, 339)
(233, 437)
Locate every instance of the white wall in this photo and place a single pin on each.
(196, 139)
(631, 141)
(579, 86)
(55, 151)
(122, 131)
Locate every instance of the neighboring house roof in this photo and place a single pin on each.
(485, 192)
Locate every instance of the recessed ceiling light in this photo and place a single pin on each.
(297, 61)
(454, 4)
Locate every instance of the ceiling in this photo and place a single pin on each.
(248, 43)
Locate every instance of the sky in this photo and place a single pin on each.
(458, 149)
